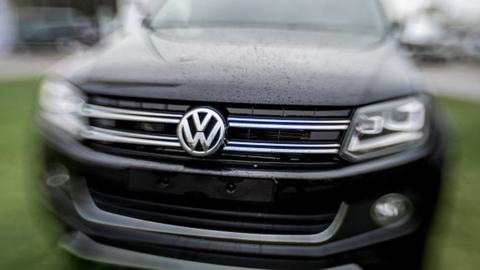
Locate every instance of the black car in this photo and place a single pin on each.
(233, 134)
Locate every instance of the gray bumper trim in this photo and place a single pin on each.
(83, 247)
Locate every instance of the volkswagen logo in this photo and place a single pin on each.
(201, 132)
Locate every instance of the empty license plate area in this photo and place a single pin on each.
(202, 186)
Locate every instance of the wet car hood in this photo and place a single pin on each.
(318, 70)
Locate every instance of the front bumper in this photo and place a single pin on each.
(84, 247)
(352, 239)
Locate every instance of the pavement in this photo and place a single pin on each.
(26, 66)
(458, 80)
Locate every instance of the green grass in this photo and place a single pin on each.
(23, 245)
(455, 240)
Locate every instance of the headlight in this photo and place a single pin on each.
(60, 105)
(386, 128)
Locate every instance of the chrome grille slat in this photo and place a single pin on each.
(284, 121)
(134, 135)
(288, 145)
(133, 112)
(287, 126)
(96, 135)
(129, 115)
(279, 150)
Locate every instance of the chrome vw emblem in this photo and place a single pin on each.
(201, 132)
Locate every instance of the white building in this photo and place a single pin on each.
(462, 11)
(7, 27)
(402, 10)
(458, 11)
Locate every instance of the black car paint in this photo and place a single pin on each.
(147, 65)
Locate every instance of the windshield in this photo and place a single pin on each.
(357, 16)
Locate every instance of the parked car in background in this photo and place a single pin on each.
(55, 27)
(471, 45)
(233, 134)
(426, 39)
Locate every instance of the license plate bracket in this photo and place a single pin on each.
(212, 187)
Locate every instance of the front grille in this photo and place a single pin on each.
(256, 134)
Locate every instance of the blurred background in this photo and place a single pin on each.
(441, 36)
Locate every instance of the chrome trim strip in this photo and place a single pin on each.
(126, 115)
(84, 247)
(113, 136)
(293, 145)
(86, 208)
(134, 135)
(286, 126)
(96, 135)
(132, 112)
(279, 150)
(285, 120)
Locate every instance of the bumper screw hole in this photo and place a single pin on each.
(164, 183)
(231, 188)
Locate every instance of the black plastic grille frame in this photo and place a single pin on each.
(194, 210)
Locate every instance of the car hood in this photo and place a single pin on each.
(263, 72)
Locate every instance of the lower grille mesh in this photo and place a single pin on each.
(195, 211)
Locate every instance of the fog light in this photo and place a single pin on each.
(391, 209)
(57, 175)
